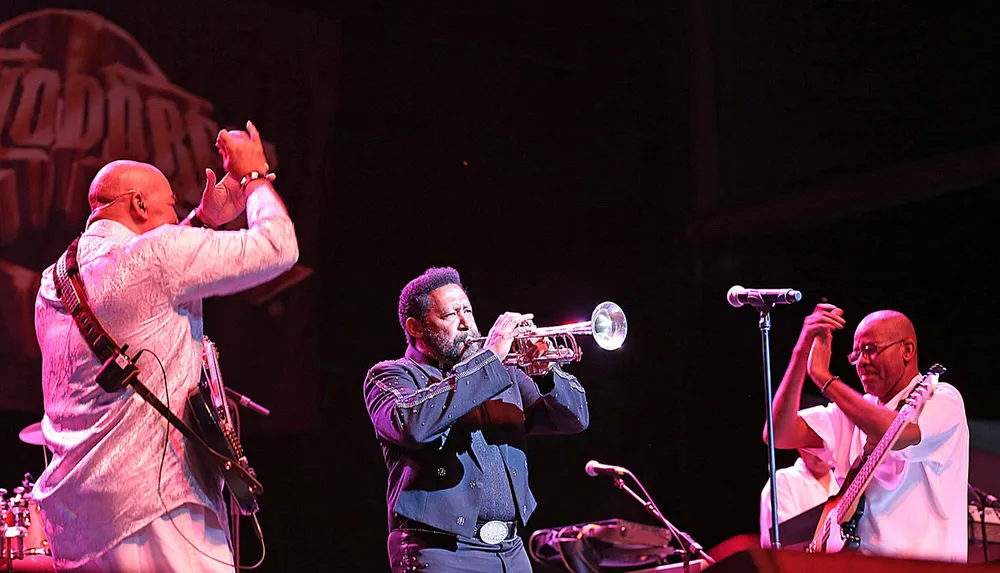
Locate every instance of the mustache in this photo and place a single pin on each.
(465, 340)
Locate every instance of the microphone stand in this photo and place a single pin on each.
(235, 398)
(234, 511)
(981, 503)
(765, 342)
(687, 544)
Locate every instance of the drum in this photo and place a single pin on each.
(24, 542)
(30, 563)
(35, 542)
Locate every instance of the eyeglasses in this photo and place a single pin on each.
(871, 350)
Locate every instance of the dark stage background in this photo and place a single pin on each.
(650, 153)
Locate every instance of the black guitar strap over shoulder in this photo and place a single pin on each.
(117, 368)
(119, 371)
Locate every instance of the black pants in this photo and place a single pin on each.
(428, 551)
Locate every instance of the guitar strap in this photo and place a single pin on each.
(119, 370)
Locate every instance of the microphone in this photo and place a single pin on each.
(739, 296)
(595, 469)
(987, 499)
(247, 402)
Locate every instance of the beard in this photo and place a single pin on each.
(450, 351)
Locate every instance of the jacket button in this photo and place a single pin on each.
(441, 472)
(513, 473)
(460, 520)
(473, 484)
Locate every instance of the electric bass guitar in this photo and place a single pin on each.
(214, 421)
(837, 528)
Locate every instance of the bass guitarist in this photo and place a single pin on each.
(122, 492)
(915, 504)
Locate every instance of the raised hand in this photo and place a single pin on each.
(819, 327)
(503, 332)
(242, 151)
(823, 320)
(222, 201)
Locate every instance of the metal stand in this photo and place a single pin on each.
(687, 544)
(234, 510)
(235, 398)
(765, 342)
(981, 504)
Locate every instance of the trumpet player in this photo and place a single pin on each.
(451, 418)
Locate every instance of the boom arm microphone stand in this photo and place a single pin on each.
(687, 544)
(235, 398)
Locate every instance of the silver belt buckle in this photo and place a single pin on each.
(493, 532)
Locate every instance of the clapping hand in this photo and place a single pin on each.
(819, 327)
(242, 151)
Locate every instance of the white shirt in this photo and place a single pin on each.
(917, 500)
(102, 483)
(798, 492)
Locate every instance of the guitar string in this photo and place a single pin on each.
(918, 391)
(159, 491)
(883, 444)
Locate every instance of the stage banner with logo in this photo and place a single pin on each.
(155, 81)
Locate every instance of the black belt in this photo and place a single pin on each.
(495, 531)
(492, 532)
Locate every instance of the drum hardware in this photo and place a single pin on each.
(32, 435)
(24, 547)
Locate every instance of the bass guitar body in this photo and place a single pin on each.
(840, 536)
(210, 409)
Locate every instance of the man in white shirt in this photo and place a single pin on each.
(802, 486)
(916, 502)
(124, 490)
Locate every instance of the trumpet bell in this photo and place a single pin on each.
(608, 326)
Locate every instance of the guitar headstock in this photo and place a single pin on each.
(926, 386)
(933, 373)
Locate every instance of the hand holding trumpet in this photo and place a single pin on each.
(516, 340)
(504, 331)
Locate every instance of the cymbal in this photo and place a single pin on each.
(32, 435)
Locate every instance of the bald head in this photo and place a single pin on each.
(120, 177)
(132, 193)
(886, 345)
(889, 324)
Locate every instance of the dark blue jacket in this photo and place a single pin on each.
(424, 418)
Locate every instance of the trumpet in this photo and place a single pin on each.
(607, 325)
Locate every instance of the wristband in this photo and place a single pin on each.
(251, 176)
(827, 385)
